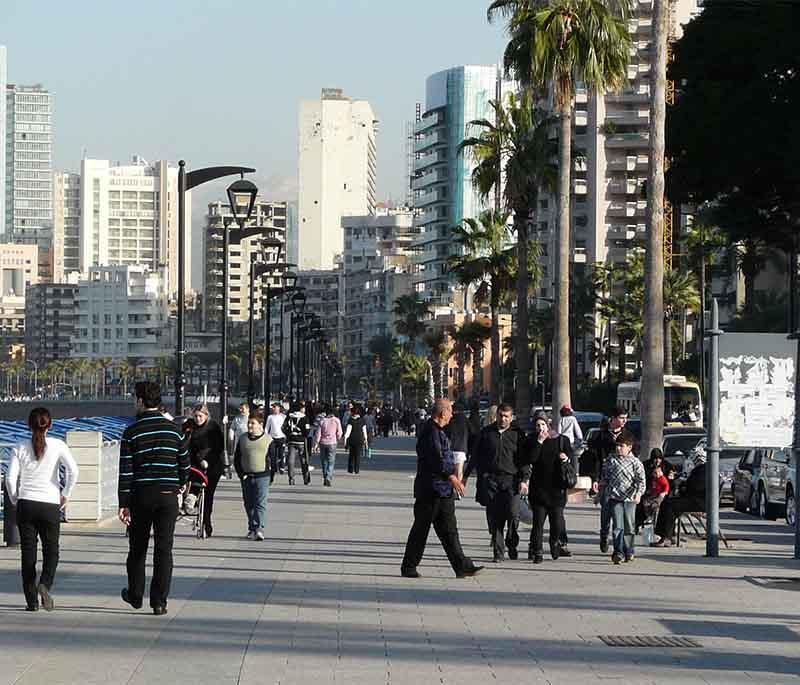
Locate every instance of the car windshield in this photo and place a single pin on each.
(680, 443)
(681, 404)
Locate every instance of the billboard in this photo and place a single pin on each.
(756, 385)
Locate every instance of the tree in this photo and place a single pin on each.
(383, 348)
(412, 373)
(554, 44)
(516, 152)
(437, 344)
(475, 334)
(600, 355)
(410, 313)
(462, 353)
(487, 260)
(680, 295)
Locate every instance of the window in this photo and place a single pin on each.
(543, 204)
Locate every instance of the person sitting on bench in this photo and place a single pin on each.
(691, 497)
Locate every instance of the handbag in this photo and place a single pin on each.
(525, 511)
(568, 476)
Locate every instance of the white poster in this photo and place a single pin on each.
(756, 383)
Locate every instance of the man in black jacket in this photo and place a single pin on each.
(691, 497)
(434, 504)
(497, 460)
(459, 432)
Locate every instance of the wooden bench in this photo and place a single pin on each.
(697, 521)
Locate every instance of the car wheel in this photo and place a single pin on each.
(753, 504)
(763, 504)
(737, 505)
(790, 509)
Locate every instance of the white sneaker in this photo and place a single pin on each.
(310, 469)
(259, 536)
(251, 535)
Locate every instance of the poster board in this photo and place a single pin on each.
(756, 384)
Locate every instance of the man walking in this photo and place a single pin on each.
(623, 481)
(274, 429)
(434, 504)
(153, 467)
(500, 473)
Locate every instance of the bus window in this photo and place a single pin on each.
(682, 405)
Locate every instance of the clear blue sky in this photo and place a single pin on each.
(216, 81)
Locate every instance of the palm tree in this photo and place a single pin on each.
(680, 294)
(487, 261)
(383, 348)
(462, 353)
(411, 371)
(555, 44)
(517, 152)
(600, 355)
(437, 344)
(410, 313)
(476, 333)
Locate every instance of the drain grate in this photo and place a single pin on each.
(649, 641)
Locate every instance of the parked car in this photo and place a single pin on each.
(679, 441)
(729, 458)
(760, 482)
(791, 488)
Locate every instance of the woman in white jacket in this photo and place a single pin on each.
(569, 427)
(33, 486)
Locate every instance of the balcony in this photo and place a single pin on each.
(632, 117)
(624, 187)
(429, 198)
(579, 255)
(428, 122)
(429, 160)
(620, 232)
(580, 187)
(429, 179)
(640, 95)
(435, 138)
(427, 217)
(627, 209)
(628, 140)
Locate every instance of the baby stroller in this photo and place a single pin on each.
(193, 504)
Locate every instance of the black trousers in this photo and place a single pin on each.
(276, 457)
(556, 518)
(502, 515)
(354, 457)
(208, 506)
(298, 449)
(38, 521)
(671, 508)
(152, 507)
(439, 512)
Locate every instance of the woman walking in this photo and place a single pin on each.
(327, 437)
(356, 439)
(206, 447)
(33, 485)
(251, 461)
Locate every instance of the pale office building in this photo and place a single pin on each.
(337, 173)
(122, 312)
(129, 216)
(3, 124)
(66, 225)
(19, 269)
(271, 216)
(441, 179)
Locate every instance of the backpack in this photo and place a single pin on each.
(292, 429)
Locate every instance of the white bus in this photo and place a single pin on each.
(683, 405)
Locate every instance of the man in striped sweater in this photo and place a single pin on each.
(153, 468)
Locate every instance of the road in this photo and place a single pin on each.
(321, 601)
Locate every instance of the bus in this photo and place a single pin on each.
(683, 405)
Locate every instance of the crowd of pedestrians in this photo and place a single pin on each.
(511, 469)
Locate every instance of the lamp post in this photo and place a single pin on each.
(256, 272)
(187, 181)
(289, 279)
(298, 305)
(242, 198)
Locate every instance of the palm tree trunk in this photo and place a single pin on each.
(561, 341)
(623, 360)
(522, 353)
(535, 369)
(653, 352)
(667, 346)
(477, 372)
(496, 366)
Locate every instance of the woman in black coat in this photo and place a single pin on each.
(547, 491)
(206, 450)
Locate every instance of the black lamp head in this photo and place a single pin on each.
(242, 199)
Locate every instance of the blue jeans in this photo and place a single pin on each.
(327, 457)
(255, 490)
(605, 517)
(624, 514)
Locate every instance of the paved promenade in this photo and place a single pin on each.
(321, 601)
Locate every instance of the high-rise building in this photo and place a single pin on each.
(292, 241)
(66, 225)
(324, 291)
(270, 215)
(29, 166)
(129, 216)
(441, 175)
(337, 163)
(3, 124)
(121, 313)
(50, 315)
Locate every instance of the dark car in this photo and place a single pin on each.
(679, 441)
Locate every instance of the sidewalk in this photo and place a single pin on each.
(321, 601)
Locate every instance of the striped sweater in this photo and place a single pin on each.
(151, 452)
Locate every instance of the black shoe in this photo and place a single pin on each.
(127, 599)
(307, 480)
(32, 607)
(209, 531)
(513, 554)
(604, 545)
(159, 610)
(327, 483)
(45, 598)
(555, 552)
(616, 558)
(564, 551)
(409, 573)
(530, 555)
(291, 481)
(469, 573)
(538, 559)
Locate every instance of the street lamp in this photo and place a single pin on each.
(187, 181)
(298, 306)
(289, 280)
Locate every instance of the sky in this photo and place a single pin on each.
(219, 82)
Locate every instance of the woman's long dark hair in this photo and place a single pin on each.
(39, 421)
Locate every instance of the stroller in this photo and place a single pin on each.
(193, 504)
